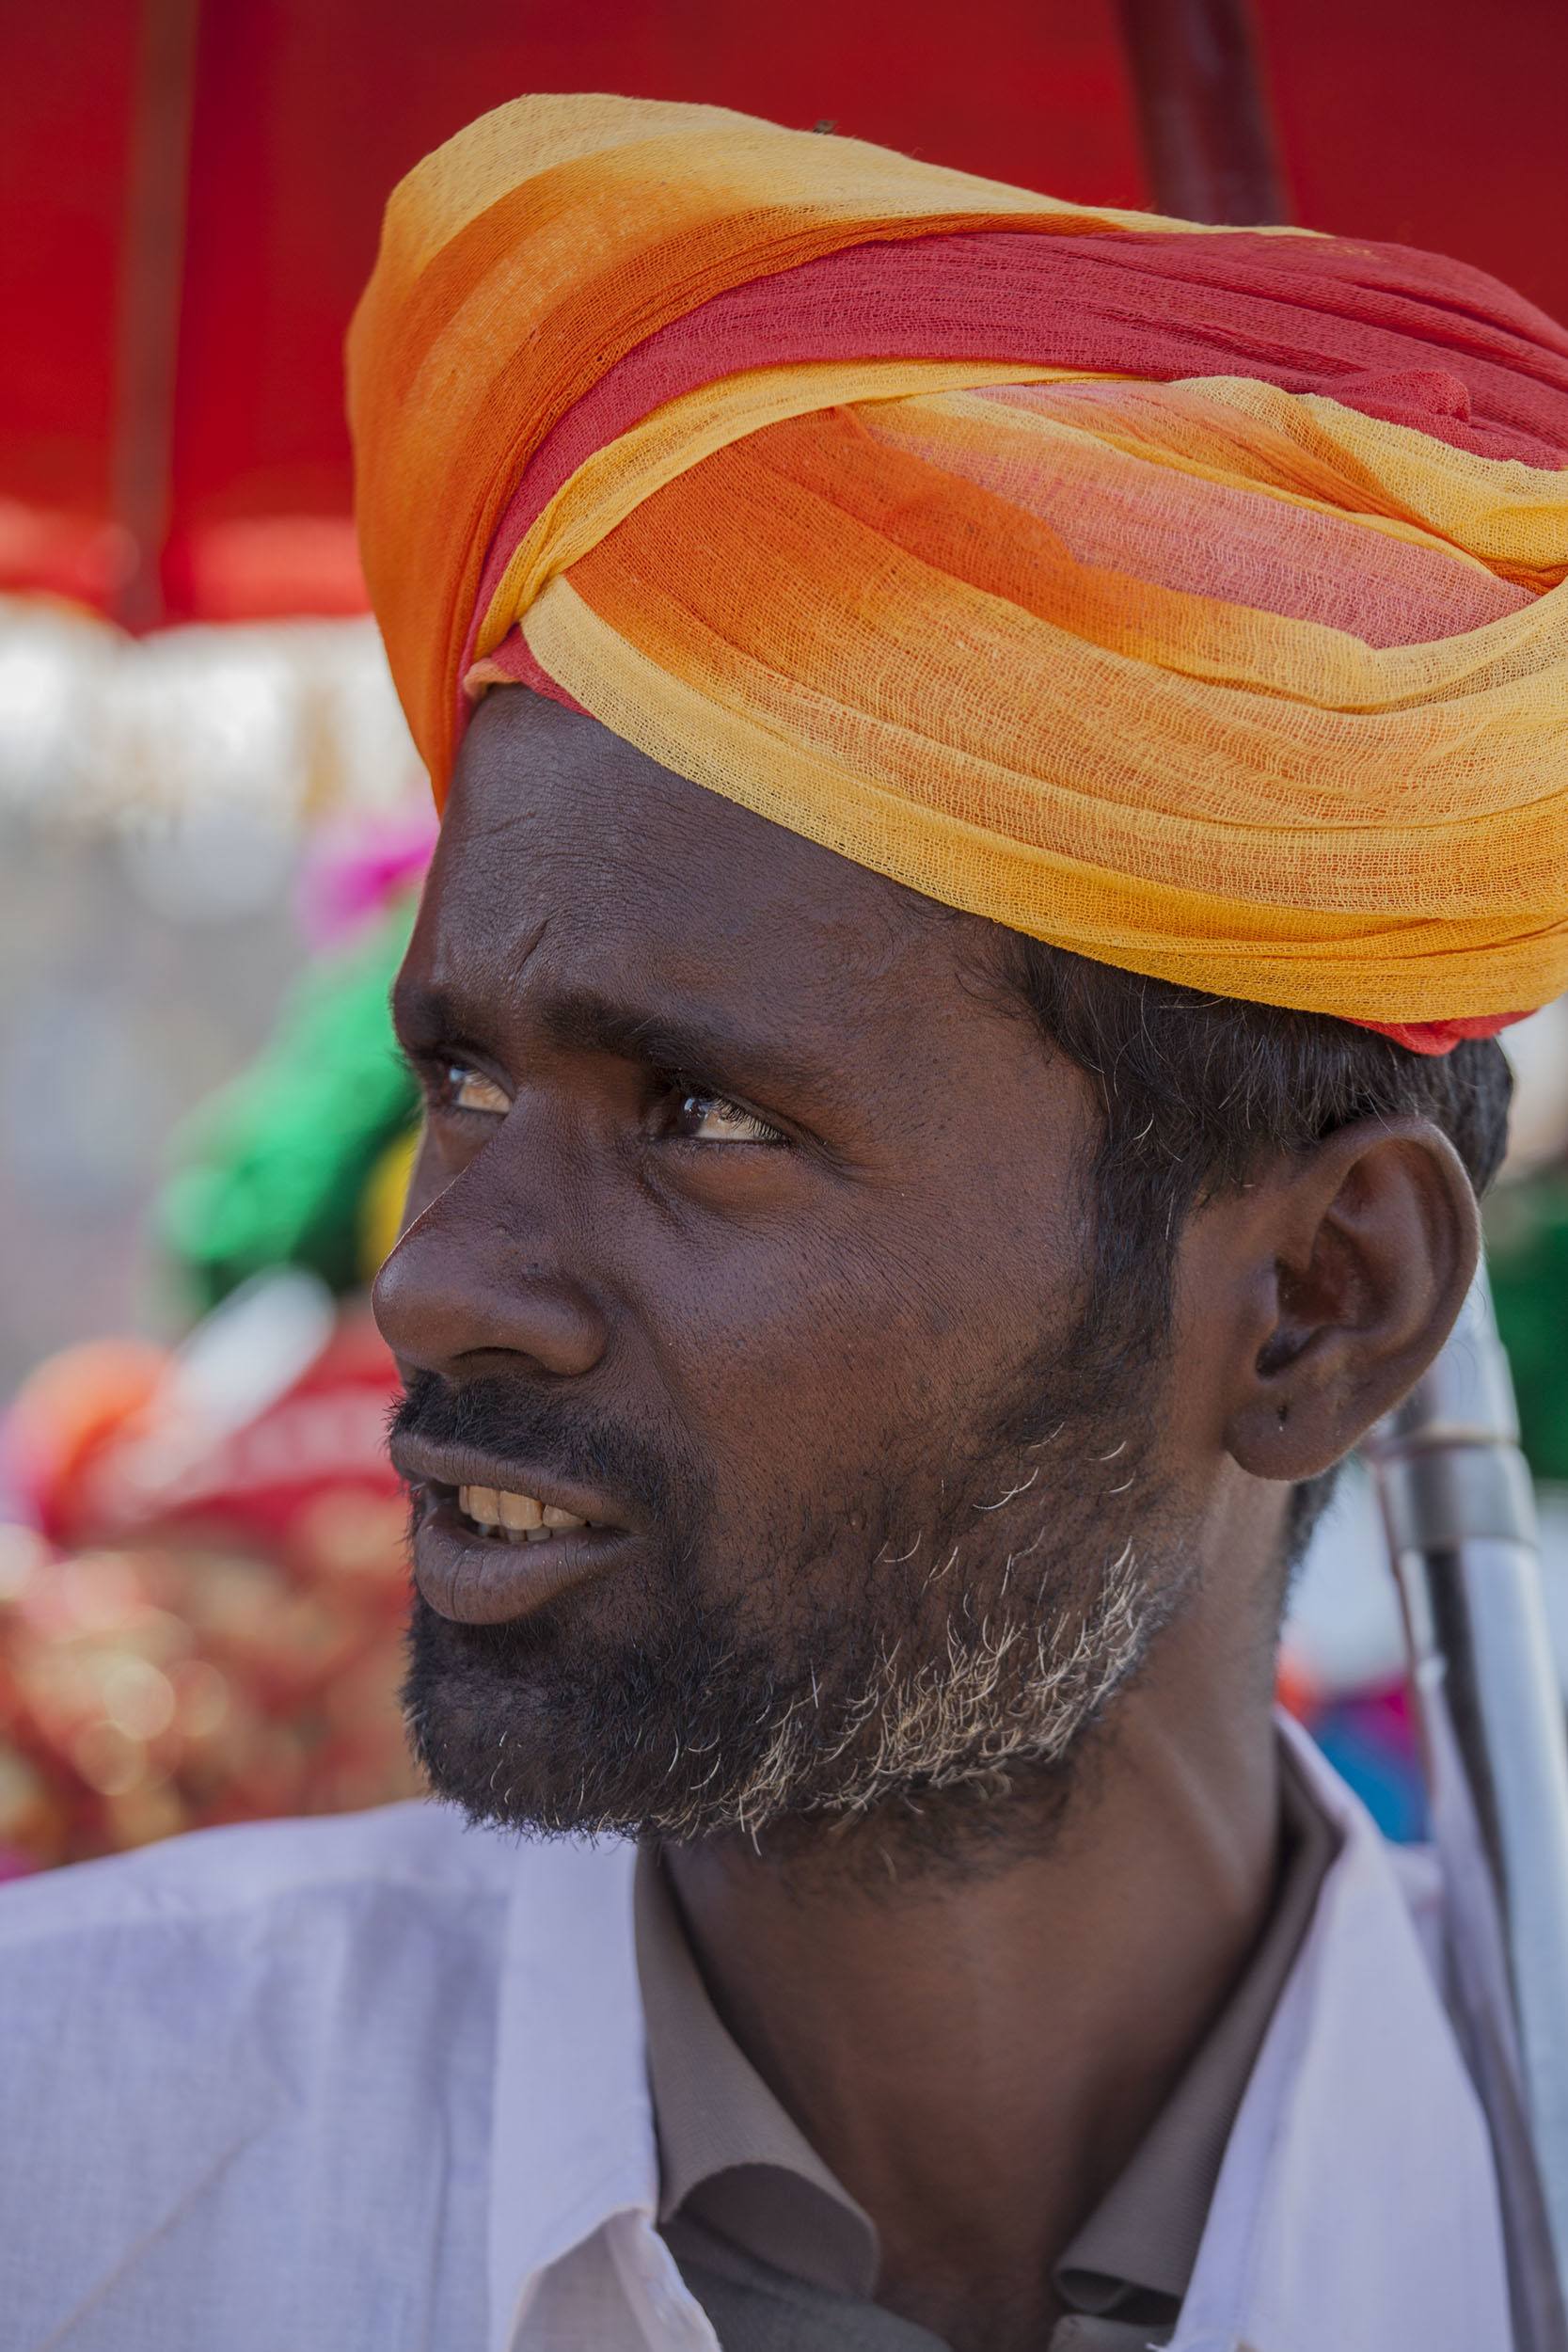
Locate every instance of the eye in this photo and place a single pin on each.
(714, 1118)
(465, 1090)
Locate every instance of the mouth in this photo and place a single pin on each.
(487, 1554)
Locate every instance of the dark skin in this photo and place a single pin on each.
(974, 2055)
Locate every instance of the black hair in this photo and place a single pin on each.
(1195, 1089)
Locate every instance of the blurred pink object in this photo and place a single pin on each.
(357, 866)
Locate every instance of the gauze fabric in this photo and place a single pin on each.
(1190, 597)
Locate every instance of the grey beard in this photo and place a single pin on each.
(852, 1679)
(907, 1713)
(993, 1699)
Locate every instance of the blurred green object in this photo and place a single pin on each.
(1527, 1230)
(272, 1171)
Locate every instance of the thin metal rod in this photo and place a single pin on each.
(1454, 1486)
(152, 270)
(1207, 136)
(1460, 1512)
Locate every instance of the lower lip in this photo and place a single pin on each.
(476, 1578)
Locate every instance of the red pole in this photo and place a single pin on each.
(1204, 119)
(151, 278)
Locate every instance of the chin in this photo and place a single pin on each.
(556, 1725)
(550, 1723)
(484, 1709)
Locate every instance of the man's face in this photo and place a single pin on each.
(749, 1224)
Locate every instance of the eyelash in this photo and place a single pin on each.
(439, 1073)
(686, 1094)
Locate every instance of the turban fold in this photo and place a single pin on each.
(1193, 598)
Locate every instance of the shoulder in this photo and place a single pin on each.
(336, 1931)
(277, 1936)
(212, 1873)
(271, 2035)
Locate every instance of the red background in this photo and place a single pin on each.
(1418, 120)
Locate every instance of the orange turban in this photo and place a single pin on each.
(1191, 597)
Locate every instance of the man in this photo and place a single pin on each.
(1002, 767)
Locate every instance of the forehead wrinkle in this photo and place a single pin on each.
(517, 962)
(645, 929)
(652, 883)
(559, 786)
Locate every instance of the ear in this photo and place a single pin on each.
(1363, 1251)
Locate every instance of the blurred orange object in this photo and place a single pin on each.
(198, 1629)
(77, 1404)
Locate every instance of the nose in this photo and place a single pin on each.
(469, 1280)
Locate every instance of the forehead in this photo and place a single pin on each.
(566, 851)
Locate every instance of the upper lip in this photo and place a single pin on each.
(421, 1465)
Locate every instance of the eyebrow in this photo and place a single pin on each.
(583, 1021)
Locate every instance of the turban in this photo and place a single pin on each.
(1190, 597)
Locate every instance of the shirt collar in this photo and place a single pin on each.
(1357, 2199)
(730, 2156)
(572, 2136)
(1356, 2188)
(1139, 2245)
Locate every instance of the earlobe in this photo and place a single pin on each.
(1374, 1237)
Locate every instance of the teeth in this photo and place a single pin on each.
(519, 1517)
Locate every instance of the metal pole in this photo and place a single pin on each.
(1455, 1489)
(153, 269)
(1460, 1512)
(1207, 137)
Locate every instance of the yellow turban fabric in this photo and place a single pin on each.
(1190, 597)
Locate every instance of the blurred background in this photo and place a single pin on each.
(213, 824)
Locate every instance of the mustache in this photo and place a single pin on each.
(516, 1422)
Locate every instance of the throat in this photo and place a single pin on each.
(977, 2055)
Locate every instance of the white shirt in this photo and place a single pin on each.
(376, 2084)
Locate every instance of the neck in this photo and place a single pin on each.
(976, 2056)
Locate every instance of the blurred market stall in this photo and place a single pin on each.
(203, 1573)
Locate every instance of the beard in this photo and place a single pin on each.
(912, 1669)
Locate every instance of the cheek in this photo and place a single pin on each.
(811, 1365)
